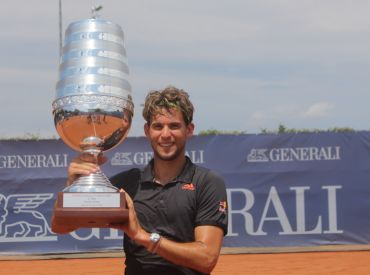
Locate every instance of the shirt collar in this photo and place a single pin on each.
(186, 174)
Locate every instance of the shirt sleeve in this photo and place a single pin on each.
(127, 180)
(212, 202)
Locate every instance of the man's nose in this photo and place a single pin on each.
(166, 132)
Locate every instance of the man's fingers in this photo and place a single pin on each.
(82, 168)
(129, 201)
(79, 167)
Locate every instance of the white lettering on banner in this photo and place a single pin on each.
(33, 161)
(196, 157)
(28, 224)
(143, 158)
(95, 233)
(281, 217)
(332, 206)
(294, 154)
(300, 210)
(273, 198)
(113, 235)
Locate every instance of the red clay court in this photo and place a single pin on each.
(346, 262)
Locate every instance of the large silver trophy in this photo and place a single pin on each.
(92, 114)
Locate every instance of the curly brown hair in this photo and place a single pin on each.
(168, 98)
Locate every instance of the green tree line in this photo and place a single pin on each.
(281, 129)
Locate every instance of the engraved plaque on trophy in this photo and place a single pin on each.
(92, 113)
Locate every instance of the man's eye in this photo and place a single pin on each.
(175, 126)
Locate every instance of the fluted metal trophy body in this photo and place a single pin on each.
(92, 113)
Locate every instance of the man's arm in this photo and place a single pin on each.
(201, 255)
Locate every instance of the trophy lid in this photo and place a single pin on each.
(94, 60)
(89, 26)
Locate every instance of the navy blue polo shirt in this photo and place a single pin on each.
(196, 197)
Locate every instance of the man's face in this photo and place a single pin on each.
(168, 134)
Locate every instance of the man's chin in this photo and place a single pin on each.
(168, 156)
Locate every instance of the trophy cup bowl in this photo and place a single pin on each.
(92, 113)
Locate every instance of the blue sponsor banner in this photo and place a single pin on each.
(284, 190)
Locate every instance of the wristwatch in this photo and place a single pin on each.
(154, 239)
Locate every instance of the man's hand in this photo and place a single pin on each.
(132, 227)
(79, 166)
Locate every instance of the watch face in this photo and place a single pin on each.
(154, 237)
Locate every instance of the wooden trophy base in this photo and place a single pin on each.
(77, 210)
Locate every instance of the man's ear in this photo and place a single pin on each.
(190, 129)
(146, 129)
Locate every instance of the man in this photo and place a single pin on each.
(177, 210)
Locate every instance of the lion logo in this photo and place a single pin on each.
(20, 217)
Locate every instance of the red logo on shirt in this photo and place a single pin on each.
(188, 186)
(222, 206)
